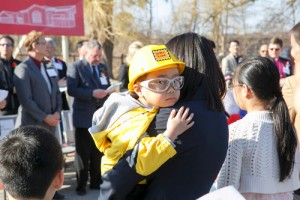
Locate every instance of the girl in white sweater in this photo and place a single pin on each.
(262, 160)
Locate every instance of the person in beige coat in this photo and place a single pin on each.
(291, 88)
(288, 91)
(295, 53)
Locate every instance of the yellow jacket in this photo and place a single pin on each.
(123, 134)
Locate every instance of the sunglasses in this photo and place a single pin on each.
(276, 49)
(161, 85)
(6, 44)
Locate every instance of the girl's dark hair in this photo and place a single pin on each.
(202, 68)
(262, 77)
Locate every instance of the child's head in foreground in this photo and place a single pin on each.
(31, 163)
(154, 76)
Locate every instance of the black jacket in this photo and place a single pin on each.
(7, 68)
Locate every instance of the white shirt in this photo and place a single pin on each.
(251, 163)
(43, 72)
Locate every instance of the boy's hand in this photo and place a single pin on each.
(2, 104)
(178, 123)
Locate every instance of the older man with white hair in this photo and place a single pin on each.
(60, 66)
(87, 81)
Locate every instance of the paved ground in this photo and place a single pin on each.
(69, 186)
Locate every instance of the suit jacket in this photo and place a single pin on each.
(81, 83)
(35, 99)
(288, 90)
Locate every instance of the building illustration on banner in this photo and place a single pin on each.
(46, 16)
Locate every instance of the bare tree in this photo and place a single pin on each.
(118, 22)
(98, 25)
(220, 13)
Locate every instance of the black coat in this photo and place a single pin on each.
(6, 83)
(201, 151)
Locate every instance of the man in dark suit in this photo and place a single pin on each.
(7, 67)
(87, 80)
(60, 67)
(36, 85)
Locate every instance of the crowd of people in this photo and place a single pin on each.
(182, 123)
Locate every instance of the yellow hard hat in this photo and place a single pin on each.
(149, 59)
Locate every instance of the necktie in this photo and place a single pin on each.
(95, 76)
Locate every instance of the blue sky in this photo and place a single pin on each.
(257, 12)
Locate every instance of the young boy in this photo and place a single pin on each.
(120, 126)
(31, 163)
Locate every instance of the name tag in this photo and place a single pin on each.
(51, 72)
(103, 81)
(58, 66)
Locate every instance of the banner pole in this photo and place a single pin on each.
(65, 48)
(18, 48)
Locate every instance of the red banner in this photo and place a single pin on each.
(52, 17)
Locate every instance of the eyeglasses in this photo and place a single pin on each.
(6, 44)
(263, 51)
(161, 85)
(230, 87)
(275, 49)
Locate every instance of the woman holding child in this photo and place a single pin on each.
(201, 150)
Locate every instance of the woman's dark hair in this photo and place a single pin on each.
(202, 68)
(262, 77)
